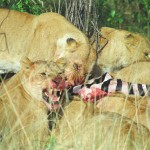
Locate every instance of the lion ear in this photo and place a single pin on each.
(129, 36)
(61, 60)
(105, 33)
(71, 44)
(106, 30)
(26, 63)
(130, 41)
(71, 41)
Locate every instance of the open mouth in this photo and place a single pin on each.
(52, 95)
(52, 98)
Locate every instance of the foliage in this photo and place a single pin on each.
(132, 15)
(51, 144)
(23, 6)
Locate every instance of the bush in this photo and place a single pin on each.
(87, 15)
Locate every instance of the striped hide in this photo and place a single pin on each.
(102, 86)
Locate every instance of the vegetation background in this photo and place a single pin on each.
(89, 15)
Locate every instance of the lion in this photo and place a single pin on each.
(116, 121)
(135, 108)
(83, 127)
(47, 37)
(25, 100)
(121, 48)
(136, 73)
(125, 56)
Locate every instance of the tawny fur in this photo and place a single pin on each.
(123, 49)
(135, 108)
(48, 36)
(23, 121)
(118, 121)
(136, 73)
(82, 127)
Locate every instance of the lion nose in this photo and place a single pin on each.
(77, 66)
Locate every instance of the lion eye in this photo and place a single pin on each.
(43, 74)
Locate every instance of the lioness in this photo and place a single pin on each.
(83, 128)
(135, 108)
(23, 121)
(136, 73)
(121, 49)
(48, 36)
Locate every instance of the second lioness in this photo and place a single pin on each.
(48, 36)
(121, 48)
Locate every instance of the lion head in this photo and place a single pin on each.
(78, 62)
(43, 81)
(122, 49)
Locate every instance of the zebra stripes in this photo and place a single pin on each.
(91, 82)
(110, 85)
